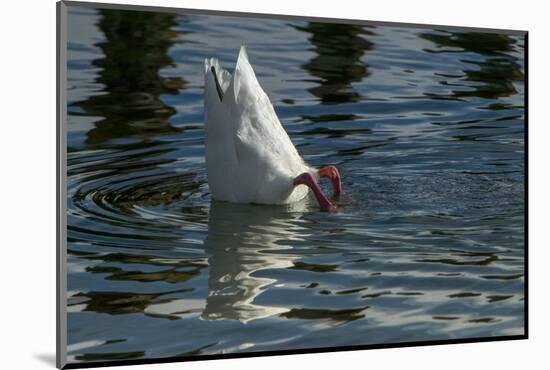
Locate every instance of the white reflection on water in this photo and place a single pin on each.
(241, 241)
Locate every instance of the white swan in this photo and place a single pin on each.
(249, 156)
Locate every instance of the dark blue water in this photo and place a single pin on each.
(425, 125)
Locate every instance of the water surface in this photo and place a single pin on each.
(425, 125)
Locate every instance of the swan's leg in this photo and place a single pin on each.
(332, 173)
(309, 180)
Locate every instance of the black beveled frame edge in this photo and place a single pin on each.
(526, 185)
(361, 22)
(61, 197)
(301, 351)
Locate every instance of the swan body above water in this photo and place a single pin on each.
(249, 156)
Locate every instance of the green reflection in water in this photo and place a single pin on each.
(109, 356)
(492, 77)
(337, 65)
(171, 270)
(344, 315)
(135, 50)
(119, 303)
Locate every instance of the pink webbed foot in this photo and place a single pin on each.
(309, 180)
(332, 173)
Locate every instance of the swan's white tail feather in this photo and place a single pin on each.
(246, 88)
(224, 77)
(249, 156)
